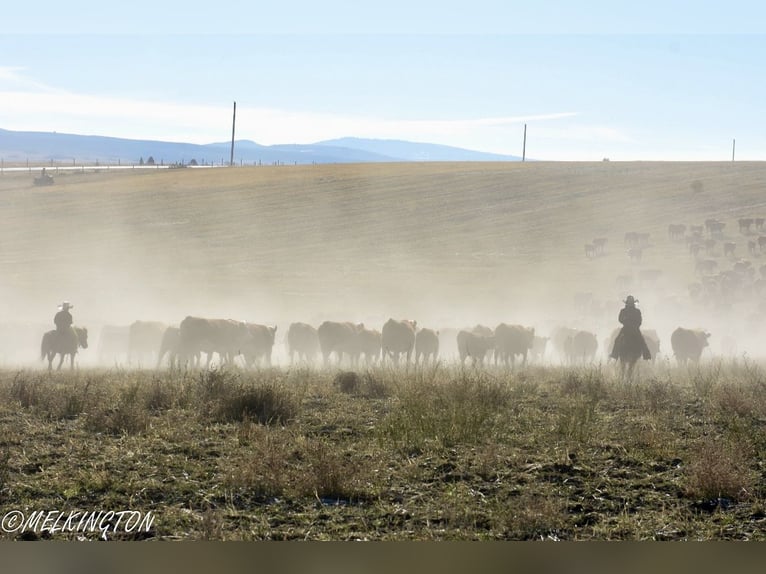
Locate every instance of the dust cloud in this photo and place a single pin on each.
(451, 246)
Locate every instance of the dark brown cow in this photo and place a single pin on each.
(688, 344)
(470, 344)
(512, 340)
(303, 341)
(426, 345)
(225, 337)
(258, 345)
(398, 339)
(338, 338)
(171, 346)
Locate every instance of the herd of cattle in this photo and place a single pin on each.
(351, 344)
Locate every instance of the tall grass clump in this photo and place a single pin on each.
(233, 397)
(719, 469)
(463, 408)
(280, 462)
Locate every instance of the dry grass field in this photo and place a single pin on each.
(541, 452)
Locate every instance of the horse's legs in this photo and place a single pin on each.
(61, 361)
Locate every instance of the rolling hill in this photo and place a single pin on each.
(451, 244)
(68, 149)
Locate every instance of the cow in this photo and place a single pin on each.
(398, 339)
(476, 346)
(368, 342)
(258, 345)
(226, 337)
(113, 342)
(170, 346)
(688, 344)
(744, 224)
(302, 341)
(559, 339)
(512, 340)
(600, 244)
(761, 242)
(581, 347)
(590, 250)
(339, 338)
(635, 254)
(676, 230)
(63, 344)
(426, 345)
(728, 248)
(144, 339)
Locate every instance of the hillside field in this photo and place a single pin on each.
(450, 245)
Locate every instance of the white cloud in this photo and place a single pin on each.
(49, 110)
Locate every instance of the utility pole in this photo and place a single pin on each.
(733, 146)
(233, 122)
(524, 148)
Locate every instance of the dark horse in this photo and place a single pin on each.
(63, 344)
(629, 348)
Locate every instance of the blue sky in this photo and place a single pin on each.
(655, 81)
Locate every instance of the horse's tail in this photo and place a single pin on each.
(44, 345)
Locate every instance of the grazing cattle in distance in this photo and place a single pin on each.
(694, 249)
(759, 223)
(745, 223)
(761, 242)
(113, 343)
(676, 230)
(688, 344)
(696, 230)
(303, 341)
(631, 238)
(714, 226)
(635, 254)
(728, 248)
(226, 337)
(368, 342)
(398, 339)
(144, 339)
(474, 345)
(581, 347)
(258, 345)
(426, 345)
(590, 250)
(706, 266)
(63, 344)
(599, 243)
(171, 346)
(751, 247)
(338, 338)
(512, 340)
(710, 246)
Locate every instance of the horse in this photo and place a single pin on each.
(629, 348)
(63, 344)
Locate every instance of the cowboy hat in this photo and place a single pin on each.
(630, 300)
(66, 305)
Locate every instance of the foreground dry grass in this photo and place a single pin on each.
(540, 453)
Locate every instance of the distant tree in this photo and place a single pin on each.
(193, 162)
(141, 161)
(150, 161)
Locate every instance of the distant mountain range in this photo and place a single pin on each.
(18, 146)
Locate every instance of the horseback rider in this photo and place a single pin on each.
(630, 318)
(63, 319)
